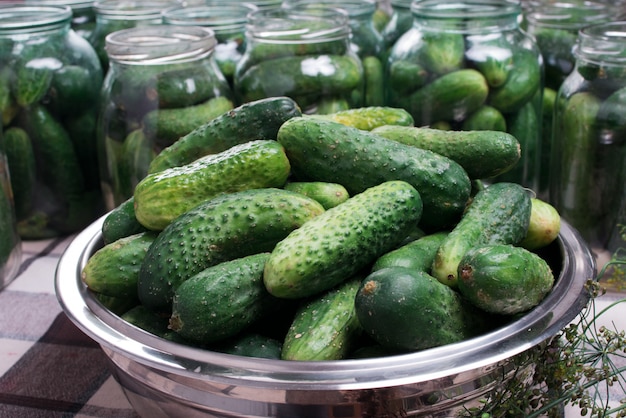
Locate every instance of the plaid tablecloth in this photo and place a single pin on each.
(48, 367)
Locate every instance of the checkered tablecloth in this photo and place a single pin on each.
(48, 367)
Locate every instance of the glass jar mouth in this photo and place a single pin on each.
(130, 9)
(560, 15)
(219, 17)
(157, 44)
(17, 17)
(603, 43)
(298, 25)
(354, 8)
(465, 9)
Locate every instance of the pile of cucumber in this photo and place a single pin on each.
(325, 240)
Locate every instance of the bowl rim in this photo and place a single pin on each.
(568, 297)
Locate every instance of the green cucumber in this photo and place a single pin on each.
(498, 214)
(32, 83)
(222, 300)
(143, 318)
(328, 195)
(251, 344)
(113, 269)
(121, 222)
(441, 53)
(166, 125)
(188, 85)
(504, 279)
(116, 305)
(320, 150)
(135, 156)
(487, 118)
(523, 82)
(417, 255)
(325, 327)
(405, 77)
(374, 81)
(285, 77)
(253, 120)
(482, 154)
(407, 310)
(544, 225)
(493, 58)
(161, 197)
(370, 117)
(22, 167)
(451, 97)
(224, 228)
(335, 245)
(73, 89)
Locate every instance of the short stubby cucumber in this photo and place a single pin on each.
(498, 214)
(504, 279)
(161, 197)
(325, 327)
(417, 255)
(544, 226)
(328, 194)
(222, 300)
(321, 150)
(224, 228)
(335, 245)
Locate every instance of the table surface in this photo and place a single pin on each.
(48, 367)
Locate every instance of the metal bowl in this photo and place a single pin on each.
(162, 378)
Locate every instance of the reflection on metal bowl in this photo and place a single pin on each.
(166, 379)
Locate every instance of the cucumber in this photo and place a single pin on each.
(251, 344)
(370, 117)
(32, 83)
(493, 58)
(482, 154)
(417, 255)
(487, 118)
(451, 97)
(335, 245)
(73, 88)
(544, 225)
(498, 214)
(82, 128)
(405, 77)
(166, 125)
(504, 279)
(287, 76)
(407, 310)
(222, 300)
(22, 167)
(188, 85)
(441, 53)
(116, 305)
(325, 327)
(328, 195)
(320, 150)
(121, 222)
(374, 81)
(135, 156)
(224, 228)
(523, 82)
(250, 121)
(161, 197)
(113, 269)
(145, 319)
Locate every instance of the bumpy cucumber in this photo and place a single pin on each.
(113, 269)
(328, 195)
(406, 76)
(121, 222)
(335, 245)
(441, 53)
(250, 121)
(417, 255)
(504, 279)
(222, 300)
(161, 197)
(321, 150)
(325, 327)
(405, 309)
(374, 81)
(487, 118)
(143, 318)
(224, 228)
(251, 344)
(450, 97)
(522, 83)
(73, 89)
(22, 167)
(167, 125)
(482, 154)
(370, 117)
(498, 214)
(544, 225)
(488, 57)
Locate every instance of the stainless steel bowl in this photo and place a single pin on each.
(165, 379)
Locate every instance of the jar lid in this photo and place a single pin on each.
(160, 44)
(298, 24)
(20, 17)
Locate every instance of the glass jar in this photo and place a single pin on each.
(588, 159)
(467, 66)
(83, 16)
(50, 81)
(301, 53)
(162, 84)
(114, 15)
(400, 21)
(366, 41)
(10, 244)
(227, 21)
